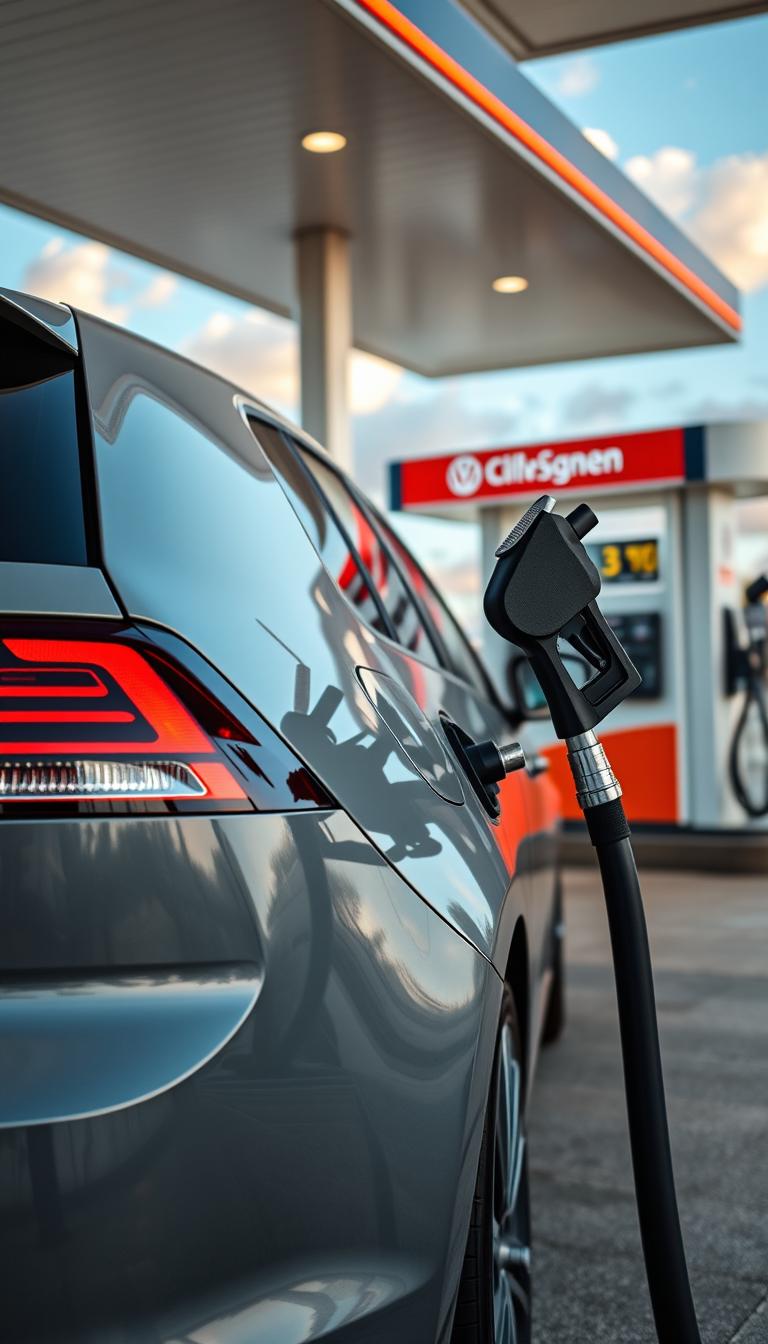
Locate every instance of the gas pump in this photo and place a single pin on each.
(664, 547)
(541, 597)
(746, 669)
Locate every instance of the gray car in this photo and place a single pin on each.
(278, 944)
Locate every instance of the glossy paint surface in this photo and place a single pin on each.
(76, 1045)
(199, 537)
(276, 1030)
(317, 1171)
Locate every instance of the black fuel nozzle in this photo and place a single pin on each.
(757, 589)
(756, 621)
(544, 589)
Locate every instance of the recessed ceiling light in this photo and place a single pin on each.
(324, 142)
(510, 284)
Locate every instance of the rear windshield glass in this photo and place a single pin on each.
(41, 499)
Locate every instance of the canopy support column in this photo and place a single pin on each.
(325, 318)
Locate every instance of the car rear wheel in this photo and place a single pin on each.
(494, 1301)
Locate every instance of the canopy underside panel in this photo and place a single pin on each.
(173, 131)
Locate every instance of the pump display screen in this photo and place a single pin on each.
(640, 634)
(635, 561)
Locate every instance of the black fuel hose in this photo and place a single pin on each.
(753, 695)
(666, 1268)
(544, 588)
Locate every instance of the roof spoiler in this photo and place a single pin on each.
(50, 322)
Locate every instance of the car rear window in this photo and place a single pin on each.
(41, 498)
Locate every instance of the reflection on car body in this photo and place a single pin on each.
(251, 1031)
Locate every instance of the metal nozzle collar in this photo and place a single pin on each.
(592, 774)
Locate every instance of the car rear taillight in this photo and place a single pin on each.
(83, 779)
(112, 724)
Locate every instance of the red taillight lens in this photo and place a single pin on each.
(101, 721)
(136, 698)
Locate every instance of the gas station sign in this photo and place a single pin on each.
(493, 475)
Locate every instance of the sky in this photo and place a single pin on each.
(684, 114)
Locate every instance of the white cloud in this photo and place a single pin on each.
(87, 275)
(260, 352)
(79, 275)
(731, 219)
(255, 350)
(669, 177)
(602, 141)
(158, 291)
(218, 327)
(578, 77)
(724, 206)
(372, 382)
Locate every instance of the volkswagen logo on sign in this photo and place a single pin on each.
(464, 475)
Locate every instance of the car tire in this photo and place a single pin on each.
(554, 1019)
(494, 1299)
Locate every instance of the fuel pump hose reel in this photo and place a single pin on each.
(543, 591)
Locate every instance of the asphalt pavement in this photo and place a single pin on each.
(709, 940)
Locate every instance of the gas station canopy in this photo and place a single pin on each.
(173, 130)
(542, 27)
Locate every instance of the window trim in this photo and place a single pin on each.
(444, 660)
(314, 485)
(433, 634)
(485, 679)
(94, 539)
(292, 435)
(380, 526)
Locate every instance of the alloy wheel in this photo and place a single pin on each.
(511, 1211)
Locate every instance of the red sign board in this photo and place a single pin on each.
(586, 465)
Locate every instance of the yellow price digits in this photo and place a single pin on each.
(625, 559)
(611, 565)
(642, 557)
